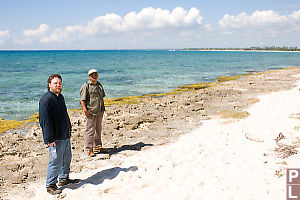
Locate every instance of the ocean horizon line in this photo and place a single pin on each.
(170, 49)
(83, 49)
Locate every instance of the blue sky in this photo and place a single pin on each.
(146, 24)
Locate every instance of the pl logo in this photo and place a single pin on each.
(293, 184)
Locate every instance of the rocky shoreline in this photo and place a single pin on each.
(134, 127)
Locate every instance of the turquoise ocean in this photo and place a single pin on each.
(24, 74)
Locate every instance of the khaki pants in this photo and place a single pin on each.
(93, 129)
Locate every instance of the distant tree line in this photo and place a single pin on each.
(267, 48)
(274, 48)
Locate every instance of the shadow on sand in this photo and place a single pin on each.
(100, 177)
(112, 173)
(133, 147)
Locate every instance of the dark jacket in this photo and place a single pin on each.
(53, 117)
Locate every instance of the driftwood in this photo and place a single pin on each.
(284, 150)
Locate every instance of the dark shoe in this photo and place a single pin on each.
(53, 189)
(68, 181)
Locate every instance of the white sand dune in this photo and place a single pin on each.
(223, 159)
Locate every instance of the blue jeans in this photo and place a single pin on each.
(60, 160)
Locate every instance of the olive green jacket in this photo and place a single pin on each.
(93, 95)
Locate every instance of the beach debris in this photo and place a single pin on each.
(249, 137)
(280, 136)
(285, 150)
(279, 173)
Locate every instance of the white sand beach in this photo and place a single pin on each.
(222, 159)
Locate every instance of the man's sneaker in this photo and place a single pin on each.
(90, 153)
(68, 181)
(53, 189)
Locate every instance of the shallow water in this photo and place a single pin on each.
(24, 74)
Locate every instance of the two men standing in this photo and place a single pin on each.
(56, 127)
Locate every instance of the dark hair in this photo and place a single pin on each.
(52, 77)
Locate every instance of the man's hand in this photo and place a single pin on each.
(52, 144)
(87, 113)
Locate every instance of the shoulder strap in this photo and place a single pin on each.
(101, 86)
(87, 85)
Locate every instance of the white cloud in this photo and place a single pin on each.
(256, 19)
(294, 19)
(37, 32)
(161, 28)
(261, 27)
(23, 41)
(148, 19)
(269, 21)
(69, 33)
(158, 18)
(4, 36)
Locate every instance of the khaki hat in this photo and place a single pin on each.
(92, 71)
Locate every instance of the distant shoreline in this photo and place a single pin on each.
(243, 50)
(275, 49)
(251, 49)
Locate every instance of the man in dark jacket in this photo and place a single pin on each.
(56, 126)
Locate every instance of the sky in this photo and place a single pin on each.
(148, 24)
